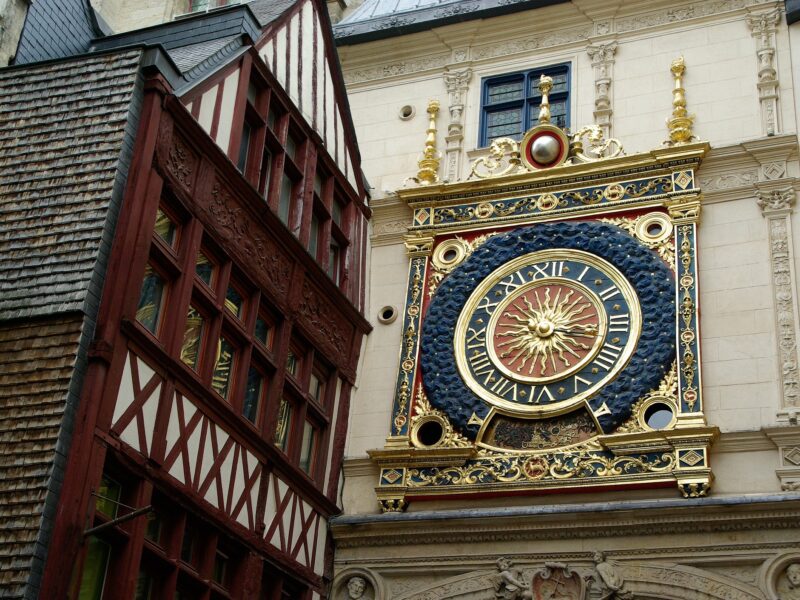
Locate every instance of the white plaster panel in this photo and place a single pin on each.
(228, 103)
(272, 502)
(319, 556)
(207, 103)
(294, 60)
(125, 393)
(307, 62)
(334, 421)
(172, 436)
(280, 56)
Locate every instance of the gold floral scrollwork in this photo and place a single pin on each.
(599, 148)
(448, 255)
(503, 159)
(666, 392)
(687, 310)
(656, 239)
(423, 413)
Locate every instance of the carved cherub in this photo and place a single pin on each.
(510, 583)
(789, 589)
(608, 580)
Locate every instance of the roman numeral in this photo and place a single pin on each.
(536, 398)
(609, 293)
(602, 410)
(503, 387)
(476, 338)
(608, 355)
(481, 365)
(578, 379)
(511, 285)
(486, 305)
(619, 322)
(583, 273)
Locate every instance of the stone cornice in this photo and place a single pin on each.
(572, 521)
(425, 54)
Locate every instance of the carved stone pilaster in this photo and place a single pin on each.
(776, 206)
(762, 27)
(602, 56)
(457, 83)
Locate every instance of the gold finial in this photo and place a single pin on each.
(680, 123)
(429, 163)
(545, 85)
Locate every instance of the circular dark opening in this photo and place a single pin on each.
(449, 254)
(658, 416)
(654, 229)
(406, 111)
(387, 313)
(430, 433)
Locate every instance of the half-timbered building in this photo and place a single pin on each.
(183, 228)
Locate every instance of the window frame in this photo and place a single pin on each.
(528, 76)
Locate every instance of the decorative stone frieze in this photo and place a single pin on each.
(776, 206)
(602, 56)
(457, 83)
(762, 25)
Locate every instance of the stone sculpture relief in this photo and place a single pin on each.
(607, 581)
(510, 583)
(357, 589)
(789, 583)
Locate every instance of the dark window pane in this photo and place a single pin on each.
(263, 332)
(108, 495)
(285, 199)
(165, 227)
(333, 261)
(316, 387)
(291, 363)
(223, 367)
(220, 568)
(233, 301)
(187, 545)
(291, 146)
(336, 212)
(503, 92)
(204, 268)
(252, 395)
(282, 427)
(94, 570)
(313, 237)
(153, 530)
(149, 308)
(244, 147)
(144, 587)
(504, 123)
(307, 446)
(191, 337)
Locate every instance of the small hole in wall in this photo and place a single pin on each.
(658, 416)
(407, 112)
(450, 255)
(655, 229)
(387, 315)
(430, 433)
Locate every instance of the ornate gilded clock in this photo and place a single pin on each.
(547, 320)
(550, 331)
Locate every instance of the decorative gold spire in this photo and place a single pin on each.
(545, 85)
(429, 163)
(680, 123)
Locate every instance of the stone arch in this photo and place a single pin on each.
(659, 581)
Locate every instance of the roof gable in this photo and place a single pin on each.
(298, 49)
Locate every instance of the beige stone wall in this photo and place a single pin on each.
(749, 349)
(12, 19)
(127, 15)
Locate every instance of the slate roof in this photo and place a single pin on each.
(378, 19)
(66, 134)
(56, 29)
(36, 366)
(267, 11)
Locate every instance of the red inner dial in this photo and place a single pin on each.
(546, 331)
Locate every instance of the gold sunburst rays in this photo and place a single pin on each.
(547, 332)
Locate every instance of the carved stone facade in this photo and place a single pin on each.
(457, 83)
(777, 206)
(602, 56)
(762, 25)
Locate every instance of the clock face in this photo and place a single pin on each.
(546, 330)
(549, 319)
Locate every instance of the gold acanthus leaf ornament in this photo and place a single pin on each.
(599, 148)
(422, 409)
(667, 391)
(442, 268)
(664, 247)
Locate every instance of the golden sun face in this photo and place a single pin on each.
(545, 330)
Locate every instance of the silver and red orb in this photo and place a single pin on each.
(545, 146)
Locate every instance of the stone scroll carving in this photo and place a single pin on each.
(762, 26)
(457, 83)
(777, 206)
(602, 56)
